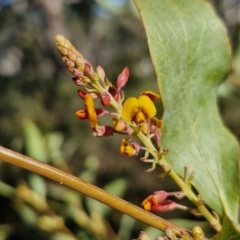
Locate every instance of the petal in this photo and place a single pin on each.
(152, 95)
(147, 203)
(157, 122)
(147, 106)
(92, 115)
(159, 196)
(89, 103)
(119, 124)
(127, 149)
(82, 114)
(124, 142)
(130, 108)
(82, 94)
(144, 127)
(130, 151)
(139, 117)
(166, 206)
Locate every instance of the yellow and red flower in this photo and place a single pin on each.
(158, 202)
(90, 112)
(139, 109)
(129, 149)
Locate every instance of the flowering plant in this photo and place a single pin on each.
(189, 144)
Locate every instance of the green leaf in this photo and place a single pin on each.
(228, 231)
(34, 141)
(191, 55)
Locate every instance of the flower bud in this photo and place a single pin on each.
(198, 233)
(78, 82)
(80, 63)
(122, 78)
(77, 73)
(88, 70)
(105, 99)
(143, 236)
(100, 73)
(113, 91)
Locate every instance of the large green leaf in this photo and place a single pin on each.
(191, 55)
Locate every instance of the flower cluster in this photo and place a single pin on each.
(134, 117)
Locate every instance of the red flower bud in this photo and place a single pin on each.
(122, 78)
(105, 99)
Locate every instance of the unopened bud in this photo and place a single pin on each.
(78, 82)
(88, 70)
(169, 232)
(105, 99)
(122, 78)
(77, 72)
(143, 236)
(100, 73)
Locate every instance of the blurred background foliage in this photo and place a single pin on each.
(38, 102)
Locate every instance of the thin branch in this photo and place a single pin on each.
(88, 189)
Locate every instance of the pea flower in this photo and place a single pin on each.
(129, 149)
(158, 202)
(90, 112)
(138, 109)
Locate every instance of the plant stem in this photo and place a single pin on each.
(88, 189)
(215, 224)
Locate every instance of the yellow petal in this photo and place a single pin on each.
(89, 103)
(130, 151)
(127, 149)
(147, 204)
(147, 106)
(119, 124)
(92, 115)
(130, 108)
(144, 128)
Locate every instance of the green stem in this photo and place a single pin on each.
(183, 186)
(73, 182)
